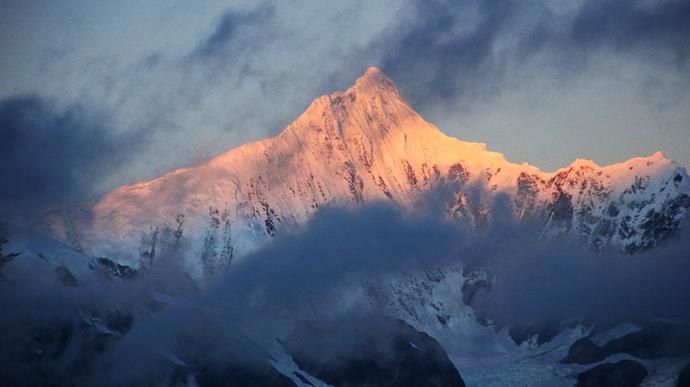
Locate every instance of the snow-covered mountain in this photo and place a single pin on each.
(367, 144)
(360, 146)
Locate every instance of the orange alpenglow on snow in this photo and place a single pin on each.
(363, 144)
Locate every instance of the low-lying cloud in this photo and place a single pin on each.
(319, 272)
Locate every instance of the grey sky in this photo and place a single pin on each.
(538, 80)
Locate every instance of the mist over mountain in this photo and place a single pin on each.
(350, 193)
(360, 246)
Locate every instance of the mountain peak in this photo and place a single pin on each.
(580, 162)
(658, 155)
(373, 98)
(372, 70)
(367, 144)
(374, 79)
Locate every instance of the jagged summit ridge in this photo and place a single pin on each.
(373, 104)
(367, 144)
(374, 80)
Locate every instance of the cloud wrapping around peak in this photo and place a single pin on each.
(322, 272)
(443, 50)
(53, 156)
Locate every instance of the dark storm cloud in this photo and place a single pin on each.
(461, 49)
(430, 58)
(646, 32)
(237, 33)
(53, 156)
(662, 25)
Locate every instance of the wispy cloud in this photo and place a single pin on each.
(443, 50)
(53, 156)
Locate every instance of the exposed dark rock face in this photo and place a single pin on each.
(218, 250)
(660, 225)
(241, 375)
(226, 357)
(458, 174)
(541, 333)
(61, 352)
(112, 268)
(66, 277)
(409, 172)
(625, 373)
(584, 351)
(528, 187)
(69, 353)
(371, 352)
(651, 342)
(477, 280)
(561, 211)
(684, 377)
(5, 258)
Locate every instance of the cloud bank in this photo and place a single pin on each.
(155, 323)
(53, 156)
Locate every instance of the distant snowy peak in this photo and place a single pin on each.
(367, 144)
(632, 205)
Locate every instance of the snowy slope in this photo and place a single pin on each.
(361, 145)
